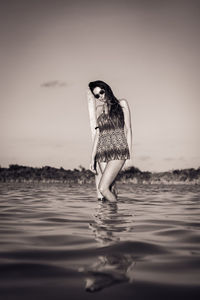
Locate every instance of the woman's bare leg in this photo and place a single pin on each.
(113, 188)
(100, 169)
(102, 166)
(97, 180)
(110, 173)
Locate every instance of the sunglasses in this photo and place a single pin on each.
(100, 93)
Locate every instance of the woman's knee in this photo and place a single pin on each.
(103, 188)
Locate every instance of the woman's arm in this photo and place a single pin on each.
(127, 125)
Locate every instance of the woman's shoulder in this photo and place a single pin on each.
(123, 102)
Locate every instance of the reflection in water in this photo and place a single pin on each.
(106, 221)
(113, 266)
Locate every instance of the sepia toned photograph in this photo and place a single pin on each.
(99, 152)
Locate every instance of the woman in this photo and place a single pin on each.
(113, 138)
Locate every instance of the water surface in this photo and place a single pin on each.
(60, 242)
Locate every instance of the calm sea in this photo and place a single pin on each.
(60, 242)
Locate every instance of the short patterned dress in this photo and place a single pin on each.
(112, 143)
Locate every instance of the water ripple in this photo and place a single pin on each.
(61, 239)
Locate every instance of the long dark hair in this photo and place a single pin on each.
(114, 108)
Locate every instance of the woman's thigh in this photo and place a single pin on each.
(102, 166)
(110, 172)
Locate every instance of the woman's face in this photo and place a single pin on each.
(99, 93)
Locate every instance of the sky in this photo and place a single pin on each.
(146, 50)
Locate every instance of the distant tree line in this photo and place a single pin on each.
(17, 173)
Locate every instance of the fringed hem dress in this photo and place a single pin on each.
(112, 143)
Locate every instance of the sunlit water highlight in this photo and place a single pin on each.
(60, 242)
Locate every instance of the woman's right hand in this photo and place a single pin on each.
(93, 166)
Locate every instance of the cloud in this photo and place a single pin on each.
(53, 83)
(144, 157)
(181, 158)
(42, 142)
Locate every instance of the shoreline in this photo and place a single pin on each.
(81, 176)
(80, 183)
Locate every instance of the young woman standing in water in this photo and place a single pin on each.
(112, 144)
